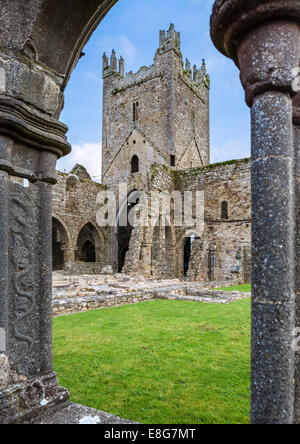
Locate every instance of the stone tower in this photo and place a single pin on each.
(158, 115)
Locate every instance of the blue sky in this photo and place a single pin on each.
(132, 29)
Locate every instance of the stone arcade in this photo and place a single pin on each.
(40, 44)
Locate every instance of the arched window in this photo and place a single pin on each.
(224, 210)
(135, 164)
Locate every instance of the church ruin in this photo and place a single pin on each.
(156, 139)
(262, 38)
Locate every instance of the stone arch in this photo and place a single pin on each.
(184, 250)
(163, 248)
(123, 229)
(60, 242)
(63, 26)
(90, 243)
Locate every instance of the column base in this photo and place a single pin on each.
(71, 414)
(34, 396)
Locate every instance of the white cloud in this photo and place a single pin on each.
(237, 149)
(127, 50)
(87, 154)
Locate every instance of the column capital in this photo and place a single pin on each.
(31, 141)
(231, 20)
(263, 39)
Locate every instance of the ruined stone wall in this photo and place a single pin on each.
(222, 252)
(229, 181)
(74, 205)
(227, 237)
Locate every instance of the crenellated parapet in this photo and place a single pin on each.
(197, 79)
(169, 40)
(110, 68)
(165, 104)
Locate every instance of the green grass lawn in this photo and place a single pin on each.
(241, 288)
(165, 362)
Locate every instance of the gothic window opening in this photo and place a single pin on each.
(125, 230)
(135, 164)
(88, 243)
(135, 111)
(224, 210)
(89, 252)
(187, 255)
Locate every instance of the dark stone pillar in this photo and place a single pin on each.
(41, 42)
(263, 39)
(30, 143)
(296, 122)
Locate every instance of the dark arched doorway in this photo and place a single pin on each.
(135, 164)
(125, 227)
(59, 241)
(89, 252)
(87, 244)
(187, 255)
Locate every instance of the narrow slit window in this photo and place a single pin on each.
(193, 120)
(224, 210)
(172, 160)
(135, 111)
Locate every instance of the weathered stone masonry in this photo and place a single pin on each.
(40, 44)
(156, 138)
(74, 223)
(227, 239)
(159, 112)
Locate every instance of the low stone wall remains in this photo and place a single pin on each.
(81, 293)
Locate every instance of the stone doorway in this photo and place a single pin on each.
(87, 243)
(125, 227)
(187, 252)
(89, 252)
(59, 242)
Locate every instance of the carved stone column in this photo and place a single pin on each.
(263, 38)
(41, 42)
(30, 143)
